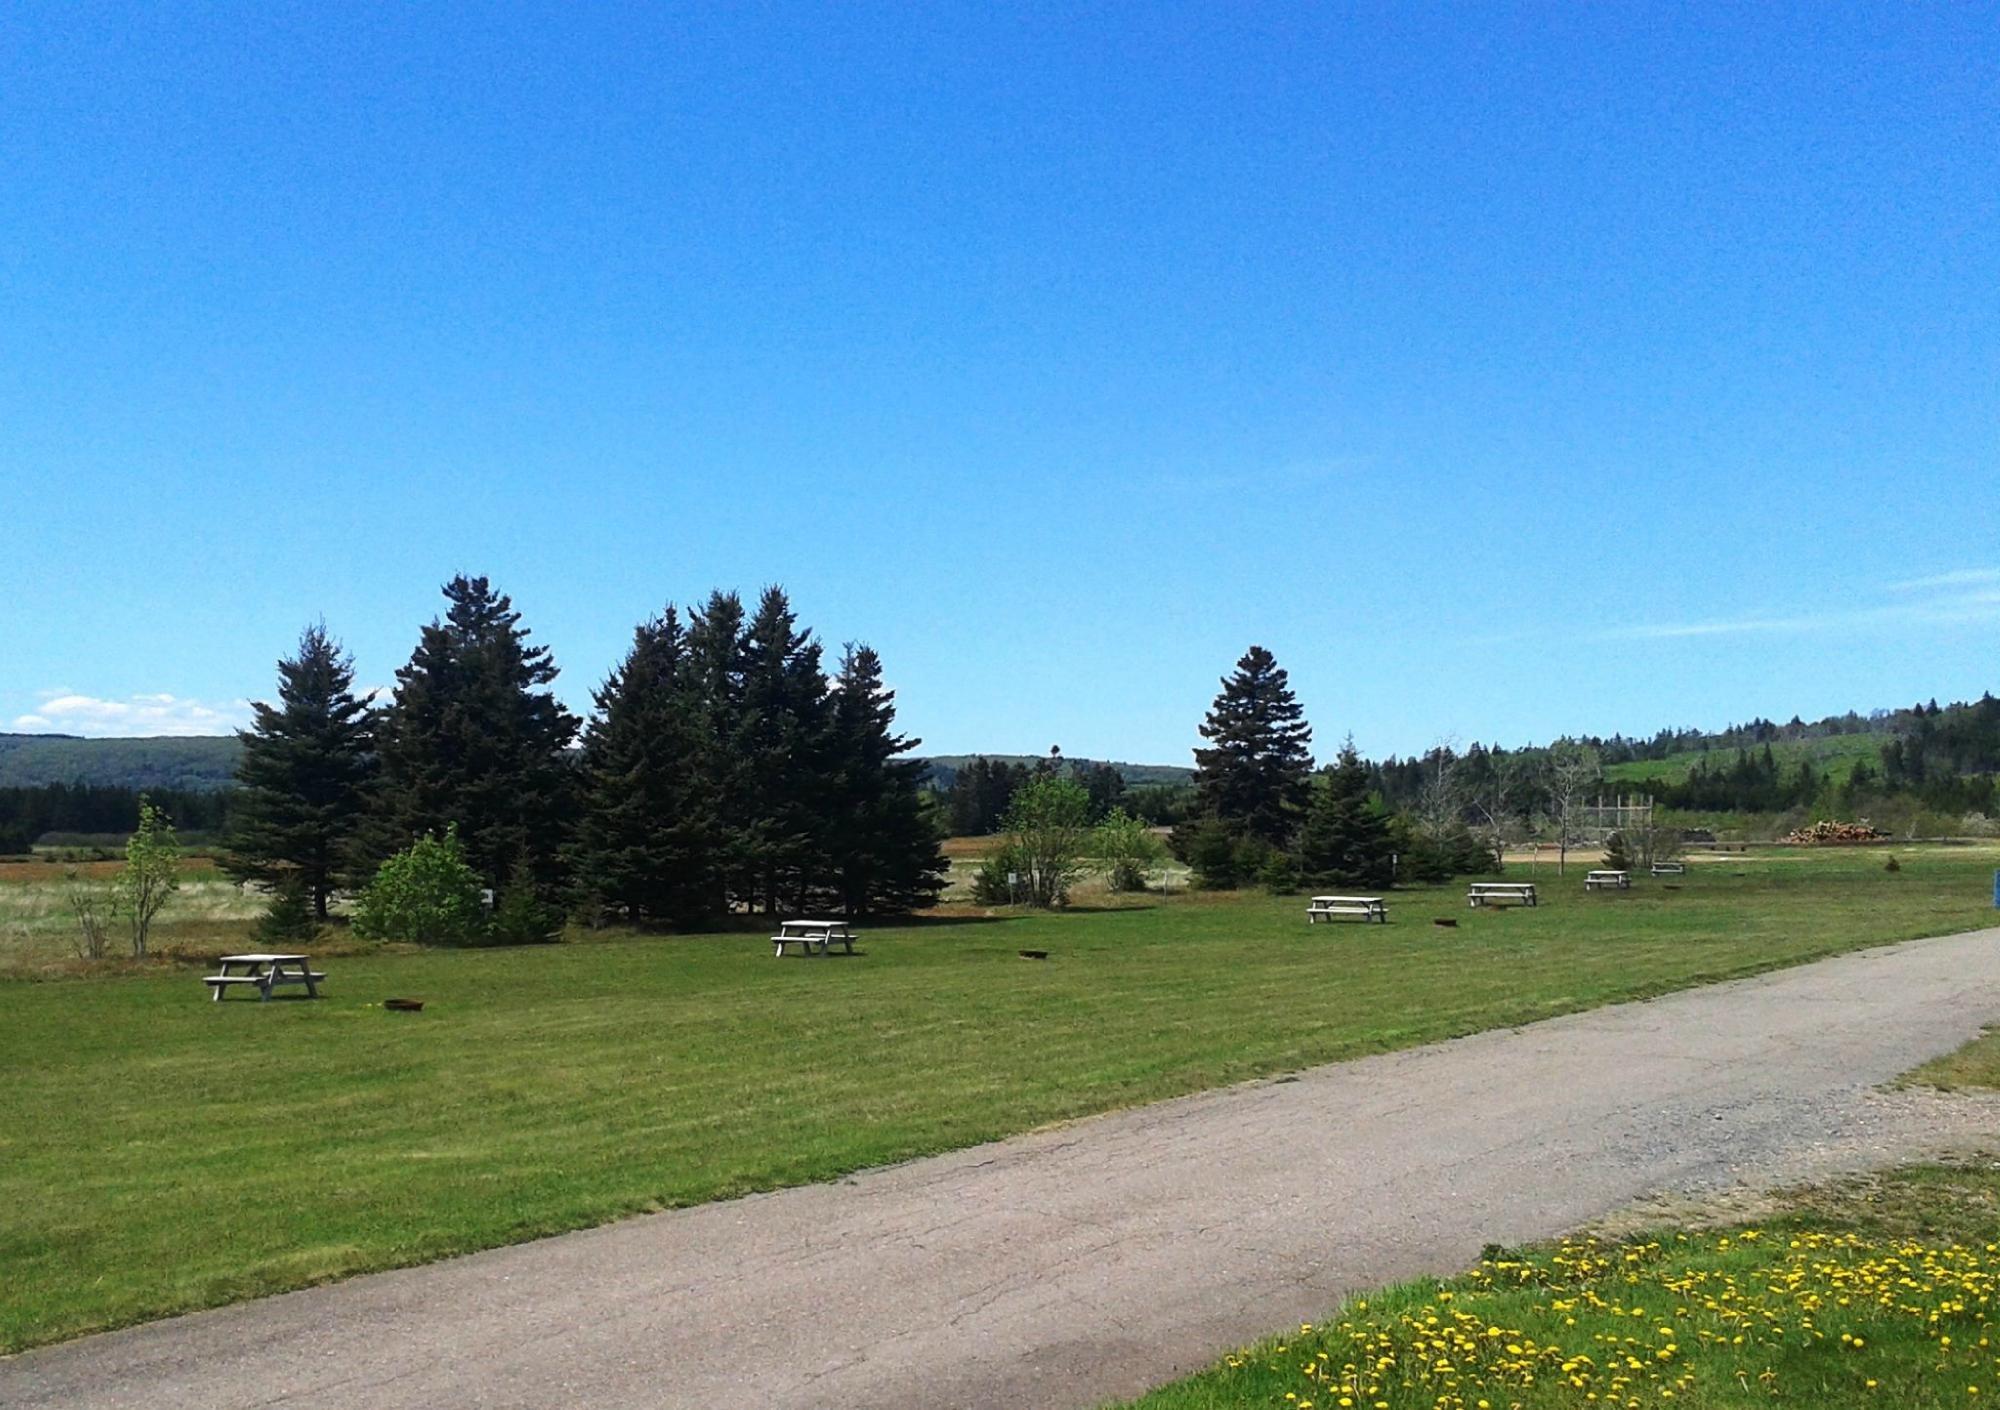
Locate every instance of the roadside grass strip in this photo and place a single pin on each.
(1887, 1297)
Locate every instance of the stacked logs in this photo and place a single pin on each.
(1836, 832)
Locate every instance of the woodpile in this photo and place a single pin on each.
(1836, 832)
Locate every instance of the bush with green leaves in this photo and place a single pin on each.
(997, 883)
(427, 894)
(151, 874)
(1127, 849)
(1047, 826)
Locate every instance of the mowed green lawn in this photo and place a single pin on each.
(160, 1153)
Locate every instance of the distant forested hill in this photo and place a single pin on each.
(192, 762)
(945, 767)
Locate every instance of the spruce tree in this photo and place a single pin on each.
(884, 848)
(1346, 839)
(1252, 777)
(646, 837)
(307, 762)
(716, 660)
(475, 738)
(785, 744)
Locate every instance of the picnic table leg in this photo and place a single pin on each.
(264, 983)
(306, 969)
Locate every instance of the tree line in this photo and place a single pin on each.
(976, 802)
(721, 768)
(99, 810)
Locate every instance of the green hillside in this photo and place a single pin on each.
(164, 761)
(1834, 755)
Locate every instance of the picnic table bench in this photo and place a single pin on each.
(1327, 907)
(1608, 881)
(266, 972)
(810, 935)
(1493, 893)
(1670, 868)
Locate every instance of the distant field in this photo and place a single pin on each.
(38, 929)
(554, 1087)
(1835, 756)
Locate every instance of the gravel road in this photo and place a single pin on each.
(1092, 1260)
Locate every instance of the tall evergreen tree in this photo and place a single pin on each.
(786, 755)
(646, 835)
(884, 848)
(716, 659)
(475, 738)
(1346, 839)
(1253, 775)
(306, 764)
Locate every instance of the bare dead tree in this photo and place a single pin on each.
(1571, 771)
(1508, 783)
(1441, 800)
(91, 907)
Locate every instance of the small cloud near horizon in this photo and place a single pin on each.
(145, 713)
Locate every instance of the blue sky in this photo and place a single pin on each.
(1507, 372)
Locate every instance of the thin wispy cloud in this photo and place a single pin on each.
(1957, 577)
(97, 717)
(1967, 596)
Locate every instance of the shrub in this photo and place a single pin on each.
(522, 918)
(1127, 850)
(427, 893)
(990, 886)
(91, 906)
(1047, 825)
(1279, 874)
(1210, 849)
(1616, 855)
(288, 921)
(1457, 851)
(151, 874)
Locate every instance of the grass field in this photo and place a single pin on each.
(554, 1087)
(1876, 1292)
(38, 930)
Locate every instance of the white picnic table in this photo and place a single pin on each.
(1489, 893)
(266, 972)
(1606, 880)
(810, 935)
(1669, 868)
(1327, 907)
